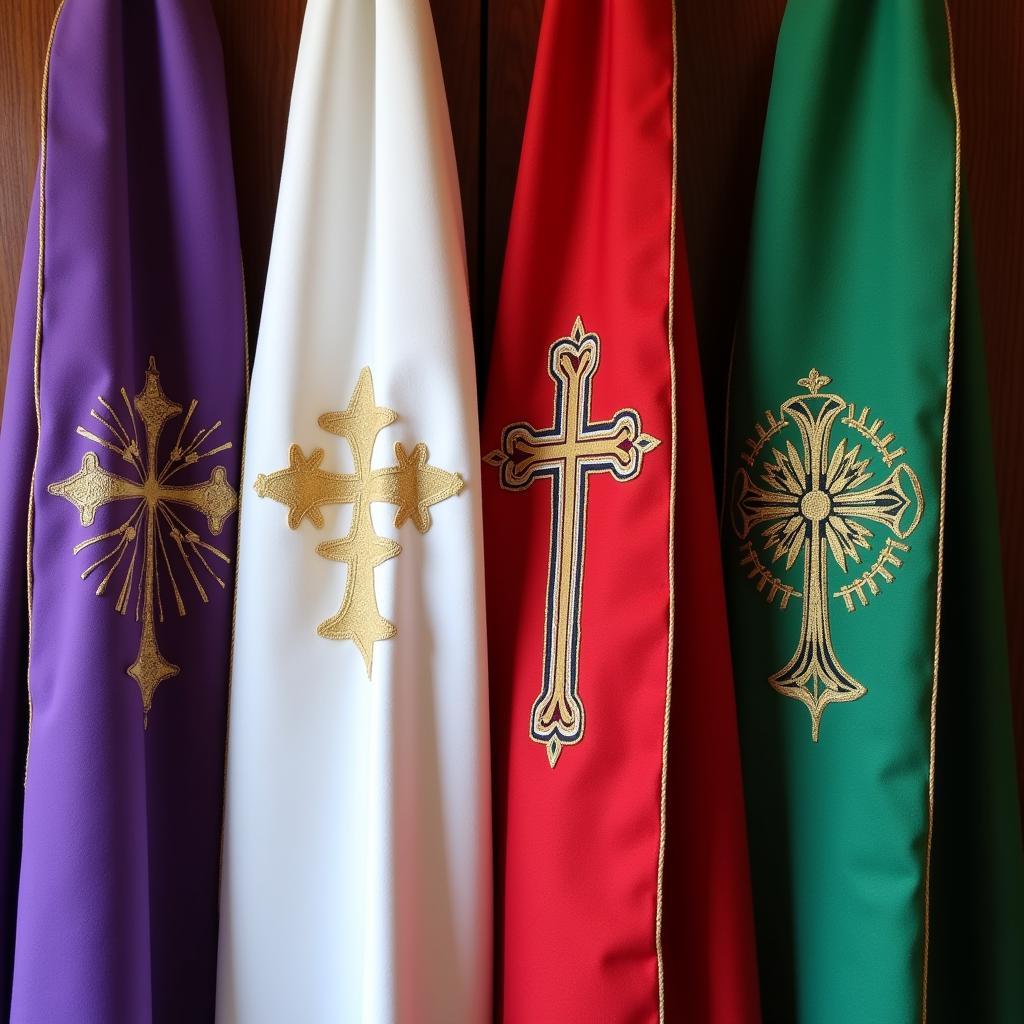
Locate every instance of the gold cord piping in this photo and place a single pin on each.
(30, 530)
(659, 915)
(942, 517)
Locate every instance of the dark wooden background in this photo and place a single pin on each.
(487, 49)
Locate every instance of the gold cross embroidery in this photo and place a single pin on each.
(568, 453)
(813, 505)
(413, 485)
(150, 515)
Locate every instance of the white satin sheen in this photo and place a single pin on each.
(356, 878)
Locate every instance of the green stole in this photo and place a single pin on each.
(859, 513)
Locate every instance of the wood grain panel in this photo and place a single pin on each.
(512, 31)
(726, 54)
(24, 30)
(459, 26)
(259, 64)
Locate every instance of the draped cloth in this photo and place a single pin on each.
(357, 877)
(862, 546)
(621, 871)
(130, 329)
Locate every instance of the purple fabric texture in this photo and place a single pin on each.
(116, 914)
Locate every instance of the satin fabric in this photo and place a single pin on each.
(357, 874)
(117, 899)
(852, 273)
(578, 844)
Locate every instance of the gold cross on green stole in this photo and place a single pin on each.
(813, 504)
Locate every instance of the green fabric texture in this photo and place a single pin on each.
(831, 536)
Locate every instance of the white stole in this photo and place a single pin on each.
(357, 868)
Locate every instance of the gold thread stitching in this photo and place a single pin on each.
(881, 444)
(755, 444)
(151, 498)
(813, 504)
(30, 529)
(766, 578)
(412, 485)
(867, 579)
(663, 804)
(567, 452)
(955, 275)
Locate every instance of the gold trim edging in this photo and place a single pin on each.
(663, 814)
(942, 515)
(29, 532)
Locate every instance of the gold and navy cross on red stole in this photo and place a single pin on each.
(568, 453)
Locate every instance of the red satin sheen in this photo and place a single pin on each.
(577, 846)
